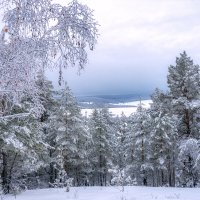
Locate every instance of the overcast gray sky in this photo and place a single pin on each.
(138, 40)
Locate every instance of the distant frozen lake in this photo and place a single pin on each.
(131, 108)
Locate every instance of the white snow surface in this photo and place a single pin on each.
(145, 103)
(110, 193)
(132, 107)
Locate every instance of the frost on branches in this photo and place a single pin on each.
(39, 34)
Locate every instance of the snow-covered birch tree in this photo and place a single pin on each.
(39, 34)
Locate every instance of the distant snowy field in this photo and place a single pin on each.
(110, 193)
(131, 108)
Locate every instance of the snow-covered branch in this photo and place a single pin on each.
(14, 116)
(39, 34)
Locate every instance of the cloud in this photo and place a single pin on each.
(138, 40)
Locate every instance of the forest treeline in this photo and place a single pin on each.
(158, 146)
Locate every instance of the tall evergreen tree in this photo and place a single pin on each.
(121, 136)
(163, 136)
(47, 98)
(102, 131)
(184, 83)
(141, 146)
(188, 170)
(70, 136)
(22, 144)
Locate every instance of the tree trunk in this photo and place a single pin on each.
(187, 122)
(100, 167)
(4, 174)
(173, 172)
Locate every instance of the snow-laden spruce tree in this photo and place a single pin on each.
(39, 34)
(141, 163)
(188, 167)
(121, 135)
(22, 146)
(69, 135)
(101, 158)
(46, 96)
(163, 140)
(122, 171)
(129, 146)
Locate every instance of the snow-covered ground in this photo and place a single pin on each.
(110, 193)
(131, 108)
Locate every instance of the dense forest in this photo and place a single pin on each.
(158, 146)
(46, 142)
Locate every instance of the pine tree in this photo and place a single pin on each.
(47, 98)
(102, 150)
(141, 146)
(163, 137)
(21, 147)
(188, 170)
(70, 135)
(124, 171)
(129, 147)
(122, 133)
(184, 82)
